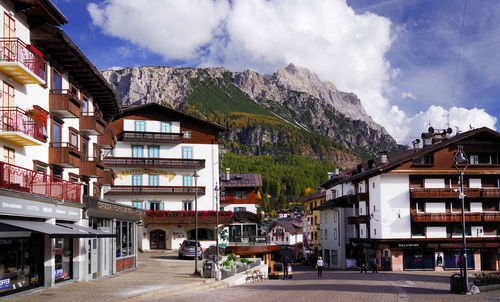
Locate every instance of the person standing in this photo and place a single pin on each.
(375, 265)
(363, 265)
(320, 264)
(286, 262)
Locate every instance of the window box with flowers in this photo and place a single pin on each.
(187, 217)
(39, 119)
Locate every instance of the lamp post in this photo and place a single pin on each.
(216, 223)
(195, 176)
(461, 160)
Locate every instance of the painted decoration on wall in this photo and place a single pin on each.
(169, 174)
(178, 235)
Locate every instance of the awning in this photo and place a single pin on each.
(54, 231)
(96, 233)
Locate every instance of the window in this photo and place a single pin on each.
(326, 234)
(57, 172)
(187, 152)
(186, 134)
(335, 234)
(137, 150)
(417, 230)
(203, 234)
(56, 81)
(125, 239)
(137, 204)
(187, 205)
(335, 260)
(85, 147)
(73, 137)
(56, 134)
(187, 181)
(40, 167)
(335, 216)
(154, 180)
(9, 26)
(240, 195)
(426, 159)
(375, 232)
(166, 127)
(8, 98)
(156, 205)
(240, 209)
(9, 155)
(140, 126)
(137, 180)
(85, 104)
(153, 151)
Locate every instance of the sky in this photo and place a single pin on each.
(410, 62)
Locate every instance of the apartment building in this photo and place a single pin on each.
(165, 162)
(240, 192)
(312, 234)
(404, 208)
(55, 107)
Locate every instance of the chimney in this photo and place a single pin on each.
(427, 139)
(416, 144)
(383, 157)
(228, 174)
(330, 175)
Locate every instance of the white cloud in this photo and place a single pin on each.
(327, 37)
(114, 68)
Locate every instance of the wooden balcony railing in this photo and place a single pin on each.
(455, 217)
(91, 123)
(160, 190)
(64, 104)
(232, 200)
(65, 155)
(154, 162)
(443, 193)
(491, 193)
(107, 140)
(15, 50)
(24, 180)
(134, 136)
(91, 167)
(248, 240)
(14, 120)
(107, 178)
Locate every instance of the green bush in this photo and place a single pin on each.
(246, 261)
(487, 279)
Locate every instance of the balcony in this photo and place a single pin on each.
(91, 124)
(249, 240)
(107, 178)
(63, 104)
(64, 155)
(154, 162)
(491, 193)
(187, 217)
(454, 217)
(22, 62)
(91, 167)
(156, 190)
(158, 137)
(232, 200)
(108, 139)
(443, 193)
(358, 219)
(23, 180)
(16, 127)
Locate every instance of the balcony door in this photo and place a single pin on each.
(9, 32)
(8, 112)
(8, 95)
(157, 240)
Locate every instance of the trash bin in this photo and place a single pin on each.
(208, 267)
(456, 284)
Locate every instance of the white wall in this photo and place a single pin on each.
(436, 232)
(435, 207)
(336, 234)
(375, 200)
(250, 207)
(432, 183)
(395, 206)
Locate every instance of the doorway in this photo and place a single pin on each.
(157, 239)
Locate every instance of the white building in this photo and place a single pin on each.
(154, 160)
(286, 232)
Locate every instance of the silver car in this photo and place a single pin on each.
(187, 249)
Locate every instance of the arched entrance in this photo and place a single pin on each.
(157, 240)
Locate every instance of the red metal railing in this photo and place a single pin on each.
(443, 193)
(15, 50)
(24, 180)
(156, 190)
(15, 119)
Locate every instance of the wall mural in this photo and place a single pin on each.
(170, 175)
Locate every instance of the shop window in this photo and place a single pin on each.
(153, 151)
(452, 259)
(249, 230)
(166, 127)
(140, 126)
(63, 259)
(137, 204)
(125, 239)
(418, 260)
(187, 152)
(187, 205)
(203, 234)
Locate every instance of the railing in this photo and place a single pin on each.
(156, 162)
(107, 139)
(14, 119)
(488, 193)
(231, 199)
(20, 179)
(443, 193)
(150, 136)
(455, 217)
(15, 50)
(156, 190)
(249, 240)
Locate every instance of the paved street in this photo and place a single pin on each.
(340, 286)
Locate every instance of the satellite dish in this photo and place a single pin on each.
(449, 130)
(431, 130)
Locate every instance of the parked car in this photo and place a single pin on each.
(187, 249)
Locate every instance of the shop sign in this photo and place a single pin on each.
(59, 273)
(4, 283)
(22, 207)
(407, 244)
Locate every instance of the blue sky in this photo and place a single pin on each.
(400, 57)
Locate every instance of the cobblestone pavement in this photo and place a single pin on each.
(157, 271)
(340, 286)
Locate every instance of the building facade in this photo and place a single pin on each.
(55, 109)
(404, 208)
(157, 154)
(313, 220)
(240, 192)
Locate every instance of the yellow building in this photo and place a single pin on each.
(312, 230)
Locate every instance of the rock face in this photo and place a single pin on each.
(293, 95)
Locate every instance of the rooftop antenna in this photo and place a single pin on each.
(447, 115)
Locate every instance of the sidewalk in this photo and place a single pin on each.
(157, 272)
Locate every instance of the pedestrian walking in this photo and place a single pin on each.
(363, 266)
(375, 265)
(286, 262)
(319, 265)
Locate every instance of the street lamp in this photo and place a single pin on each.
(216, 223)
(195, 176)
(461, 160)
